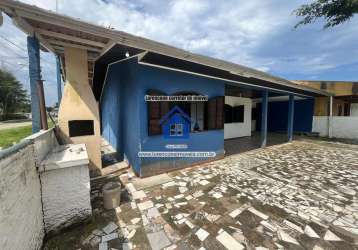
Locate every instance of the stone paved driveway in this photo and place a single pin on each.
(301, 195)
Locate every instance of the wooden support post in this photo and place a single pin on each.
(43, 115)
(59, 82)
(33, 49)
(291, 107)
(264, 108)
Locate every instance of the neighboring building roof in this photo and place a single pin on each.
(57, 31)
(338, 88)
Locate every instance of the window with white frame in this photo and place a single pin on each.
(176, 129)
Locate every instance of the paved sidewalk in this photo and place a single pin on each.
(7, 125)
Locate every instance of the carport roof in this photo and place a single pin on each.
(56, 31)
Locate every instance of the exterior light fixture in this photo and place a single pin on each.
(127, 54)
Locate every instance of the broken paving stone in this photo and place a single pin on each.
(279, 246)
(258, 213)
(329, 236)
(293, 226)
(212, 217)
(189, 197)
(202, 234)
(138, 195)
(103, 246)
(217, 195)
(189, 224)
(110, 228)
(127, 246)
(311, 233)
(131, 234)
(317, 247)
(159, 205)
(145, 220)
(153, 213)
(198, 194)
(131, 188)
(145, 205)
(286, 238)
(179, 204)
(168, 184)
(118, 210)
(204, 182)
(181, 221)
(109, 237)
(179, 196)
(178, 216)
(172, 247)
(173, 236)
(228, 241)
(183, 189)
(268, 226)
(236, 212)
(182, 184)
(158, 240)
(135, 220)
(133, 205)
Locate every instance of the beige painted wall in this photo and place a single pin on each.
(335, 87)
(78, 103)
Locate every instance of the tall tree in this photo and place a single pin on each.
(333, 11)
(13, 97)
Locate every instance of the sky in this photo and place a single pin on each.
(256, 33)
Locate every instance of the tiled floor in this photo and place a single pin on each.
(301, 195)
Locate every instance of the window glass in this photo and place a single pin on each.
(179, 129)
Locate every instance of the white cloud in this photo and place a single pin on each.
(254, 33)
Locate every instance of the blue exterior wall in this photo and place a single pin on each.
(120, 116)
(278, 116)
(124, 112)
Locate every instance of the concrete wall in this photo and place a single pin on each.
(124, 113)
(21, 218)
(354, 109)
(65, 204)
(342, 126)
(239, 129)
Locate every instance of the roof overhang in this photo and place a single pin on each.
(55, 32)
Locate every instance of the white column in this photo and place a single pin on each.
(330, 119)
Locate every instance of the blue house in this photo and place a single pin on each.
(176, 124)
(239, 101)
(109, 73)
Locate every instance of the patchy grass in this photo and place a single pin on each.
(11, 136)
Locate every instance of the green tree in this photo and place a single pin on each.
(13, 97)
(333, 11)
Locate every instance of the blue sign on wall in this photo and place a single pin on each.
(176, 124)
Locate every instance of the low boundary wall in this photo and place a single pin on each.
(342, 126)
